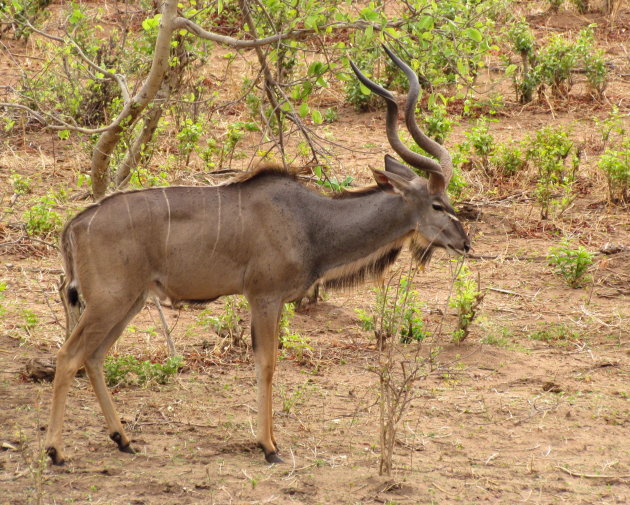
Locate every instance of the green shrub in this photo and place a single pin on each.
(507, 160)
(397, 313)
(467, 298)
(481, 141)
(229, 324)
(357, 95)
(525, 81)
(616, 167)
(128, 370)
(145, 178)
(40, 219)
(21, 185)
(571, 264)
(611, 127)
(553, 65)
(438, 124)
(549, 149)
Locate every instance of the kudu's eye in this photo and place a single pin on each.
(438, 207)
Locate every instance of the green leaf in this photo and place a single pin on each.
(304, 110)
(363, 89)
(370, 15)
(426, 23)
(317, 68)
(369, 33)
(311, 23)
(461, 67)
(474, 34)
(317, 116)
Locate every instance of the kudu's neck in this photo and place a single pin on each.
(355, 228)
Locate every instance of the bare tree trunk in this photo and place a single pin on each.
(136, 153)
(131, 111)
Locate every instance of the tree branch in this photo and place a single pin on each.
(124, 90)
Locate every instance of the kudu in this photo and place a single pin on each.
(264, 235)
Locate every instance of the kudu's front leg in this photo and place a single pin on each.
(265, 319)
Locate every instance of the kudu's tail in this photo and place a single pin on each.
(69, 284)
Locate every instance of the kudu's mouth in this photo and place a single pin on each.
(458, 251)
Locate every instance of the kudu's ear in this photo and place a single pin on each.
(394, 166)
(391, 182)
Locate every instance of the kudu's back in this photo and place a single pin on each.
(190, 243)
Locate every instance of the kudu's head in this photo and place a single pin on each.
(436, 222)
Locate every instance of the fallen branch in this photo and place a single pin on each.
(591, 476)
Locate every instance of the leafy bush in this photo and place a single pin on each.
(331, 183)
(507, 160)
(397, 312)
(224, 149)
(616, 167)
(523, 41)
(553, 65)
(466, 300)
(549, 149)
(145, 178)
(611, 127)
(457, 183)
(22, 13)
(298, 345)
(571, 264)
(229, 324)
(448, 42)
(481, 141)
(128, 370)
(360, 97)
(438, 124)
(290, 341)
(41, 219)
(67, 88)
(21, 185)
(188, 137)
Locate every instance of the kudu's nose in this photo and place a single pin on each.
(467, 247)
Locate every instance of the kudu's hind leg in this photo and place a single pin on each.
(69, 360)
(93, 329)
(94, 367)
(265, 316)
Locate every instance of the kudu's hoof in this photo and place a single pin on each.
(116, 437)
(273, 458)
(54, 456)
